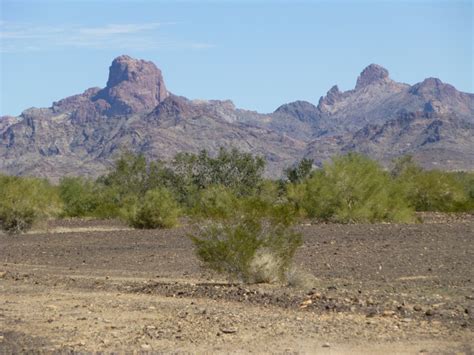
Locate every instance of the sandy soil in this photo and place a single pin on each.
(98, 286)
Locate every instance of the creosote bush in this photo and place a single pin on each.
(216, 202)
(256, 244)
(24, 201)
(158, 209)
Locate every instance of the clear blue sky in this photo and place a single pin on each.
(260, 54)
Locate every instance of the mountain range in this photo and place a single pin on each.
(382, 118)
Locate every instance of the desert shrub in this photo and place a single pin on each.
(158, 209)
(315, 197)
(301, 279)
(433, 190)
(238, 171)
(216, 202)
(185, 176)
(253, 245)
(272, 192)
(352, 188)
(79, 197)
(24, 201)
(300, 171)
(129, 175)
(466, 179)
(86, 198)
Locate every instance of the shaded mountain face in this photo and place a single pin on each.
(83, 134)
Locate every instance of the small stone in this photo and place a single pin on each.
(305, 303)
(417, 308)
(371, 313)
(229, 330)
(326, 345)
(388, 313)
(145, 346)
(429, 312)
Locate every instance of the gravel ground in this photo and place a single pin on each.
(88, 285)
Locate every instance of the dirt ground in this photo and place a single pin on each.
(85, 286)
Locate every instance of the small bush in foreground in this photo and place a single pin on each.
(23, 201)
(249, 246)
(217, 202)
(158, 209)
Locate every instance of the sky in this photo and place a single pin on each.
(260, 54)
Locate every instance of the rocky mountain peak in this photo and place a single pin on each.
(332, 96)
(433, 87)
(302, 110)
(133, 86)
(370, 75)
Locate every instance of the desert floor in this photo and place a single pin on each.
(86, 285)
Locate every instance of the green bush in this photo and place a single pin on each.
(79, 197)
(466, 179)
(253, 245)
(24, 201)
(216, 202)
(352, 188)
(129, 175)
(238, 171)
(158, 209)
(300, 171)
(434, 190)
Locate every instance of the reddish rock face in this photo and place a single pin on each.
(133, 86)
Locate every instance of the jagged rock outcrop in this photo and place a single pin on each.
(373, 74)
(133, 86)
(384, 119)
(82, 134)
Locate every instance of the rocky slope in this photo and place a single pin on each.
(82, 134)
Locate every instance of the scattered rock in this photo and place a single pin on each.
(429, 312)
(388, 313)
(228, 330)
(305, 303)
(326, 345)
(371, 313)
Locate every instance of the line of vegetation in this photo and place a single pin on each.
(348, 189)
(244, 222)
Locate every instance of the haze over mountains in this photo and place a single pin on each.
(82, 134)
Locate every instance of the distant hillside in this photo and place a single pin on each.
(82, 134)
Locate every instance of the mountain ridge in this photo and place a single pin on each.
(82, 134)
